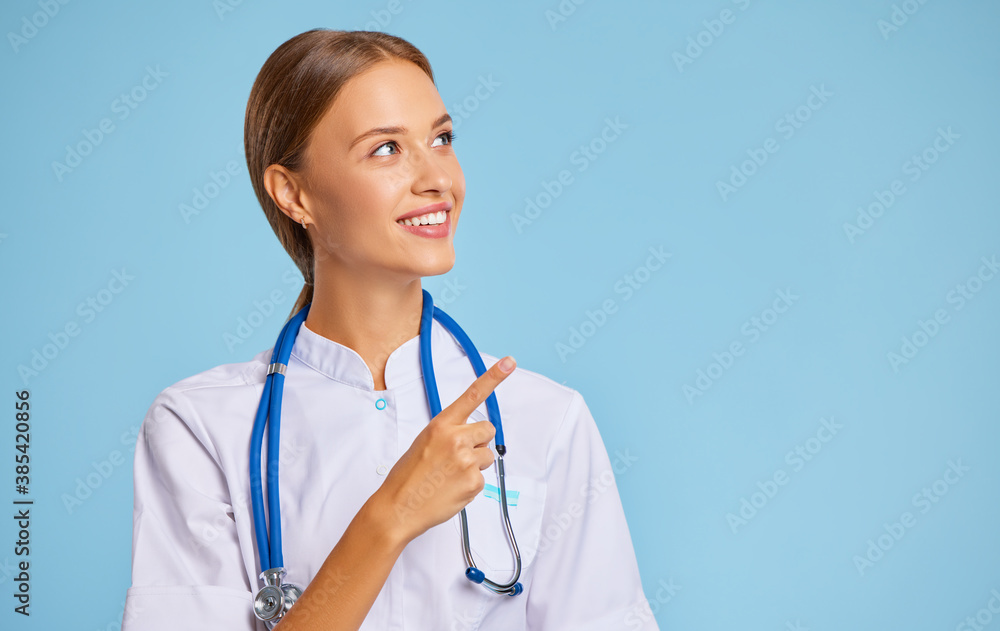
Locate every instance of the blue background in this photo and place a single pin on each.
(701, 445)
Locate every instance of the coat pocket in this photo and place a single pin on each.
(488, 540)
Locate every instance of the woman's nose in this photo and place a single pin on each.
(430, 172)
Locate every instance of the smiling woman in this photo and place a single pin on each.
(349, 148)
(314, 112)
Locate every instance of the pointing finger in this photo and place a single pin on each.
(480, 389)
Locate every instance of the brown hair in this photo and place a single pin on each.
(294, 88)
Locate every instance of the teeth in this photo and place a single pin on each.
(430, 219)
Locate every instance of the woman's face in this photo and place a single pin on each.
(380, 152)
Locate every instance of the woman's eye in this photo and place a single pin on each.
(380, 147)
(449, 135)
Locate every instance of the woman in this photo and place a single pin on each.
(346, 137)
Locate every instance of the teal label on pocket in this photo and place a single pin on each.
(493, 492)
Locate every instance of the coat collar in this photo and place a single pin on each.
(342, 363)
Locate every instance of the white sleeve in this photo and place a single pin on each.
(187, 568)
(586, 576)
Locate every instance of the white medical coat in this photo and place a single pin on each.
(194, 554)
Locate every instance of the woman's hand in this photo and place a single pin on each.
(441, 472)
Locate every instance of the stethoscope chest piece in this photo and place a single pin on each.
(275, 598)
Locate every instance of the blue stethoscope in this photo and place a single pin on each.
(276, 597)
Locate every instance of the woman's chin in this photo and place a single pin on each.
(435, 266)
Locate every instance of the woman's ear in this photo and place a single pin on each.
(283, 187)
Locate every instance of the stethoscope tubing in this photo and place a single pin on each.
(493, 412)
(270, 399)
(430, 383)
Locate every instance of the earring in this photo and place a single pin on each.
(303, 222)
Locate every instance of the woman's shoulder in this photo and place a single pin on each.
(547, 428)
(550, 405)
(234, 374)
(211, 400)
(531, 383)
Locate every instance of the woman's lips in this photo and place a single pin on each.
(438, 231)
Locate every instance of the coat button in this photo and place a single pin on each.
(381, 469)
(380, 404)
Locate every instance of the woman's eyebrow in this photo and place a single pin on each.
(396, 129)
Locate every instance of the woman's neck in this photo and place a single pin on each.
(373, 319)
